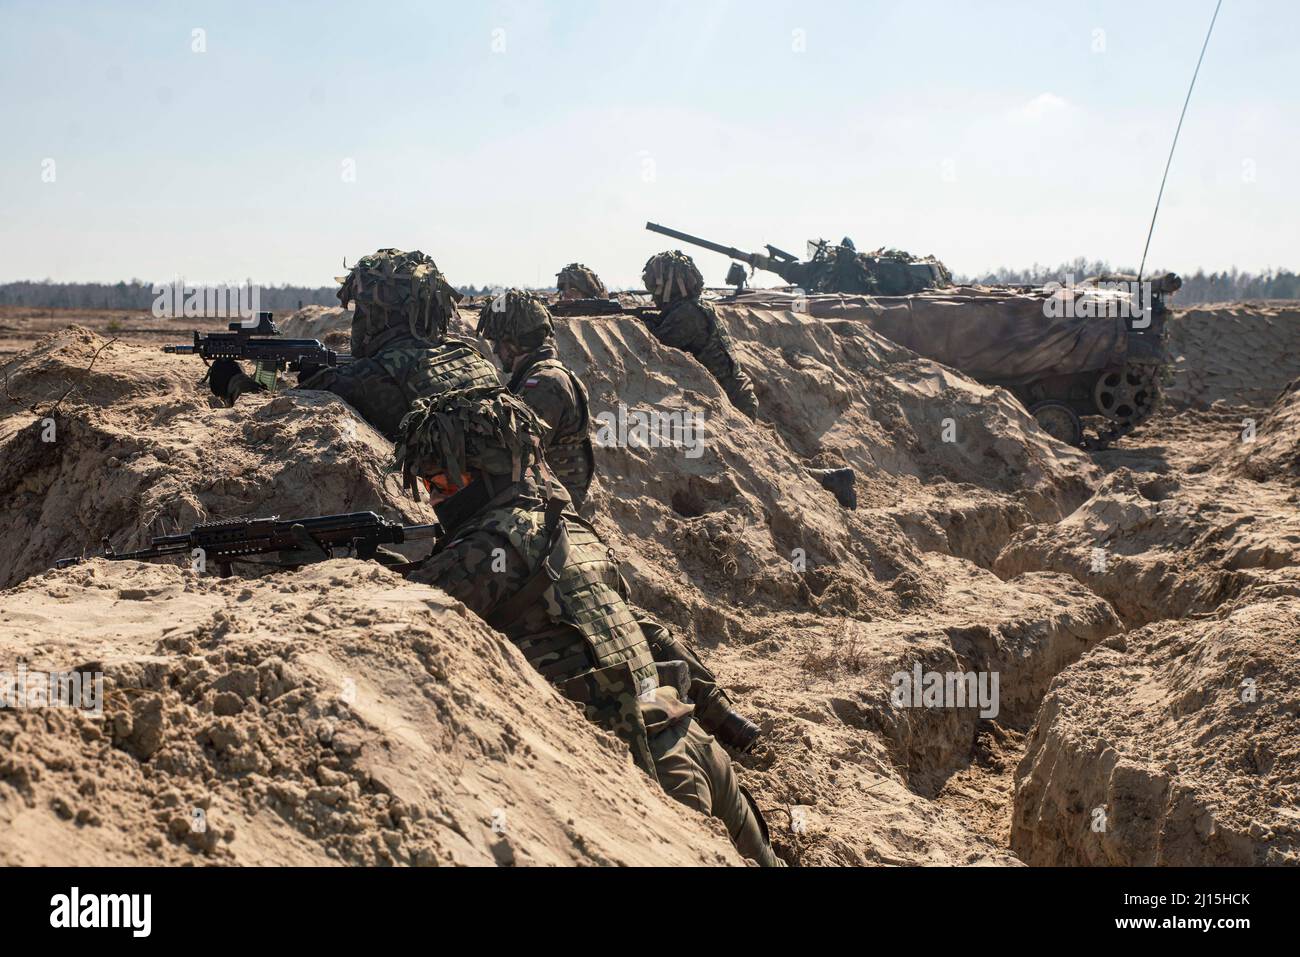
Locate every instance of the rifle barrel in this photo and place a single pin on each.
(413, 533)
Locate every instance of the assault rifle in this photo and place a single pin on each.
(599, 307)
(315, 538)
(263, 345)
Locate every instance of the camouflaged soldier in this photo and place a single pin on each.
(516, 554)
(400, 347)
(688, 323)
(521, 331)
(576, 281)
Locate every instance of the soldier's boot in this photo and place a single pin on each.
(840, 482)
(716, 715)
(741, 393)
(713, 707)
(694, 769)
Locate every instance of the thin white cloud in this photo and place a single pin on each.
(1040, 107)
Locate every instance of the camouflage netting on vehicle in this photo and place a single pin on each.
(1000, 335)
(487, 429)
(396, 289)
(582, 281)
(897, 272)
(841, 269)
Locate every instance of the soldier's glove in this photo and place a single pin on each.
(306, 370)
(228, 382)
(308, 552)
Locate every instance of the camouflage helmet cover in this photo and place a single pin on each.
(669, 276)
(581, 280)
(515, 316)
(486, 428)
(401, 289)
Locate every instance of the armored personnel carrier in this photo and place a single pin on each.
(1086, 361)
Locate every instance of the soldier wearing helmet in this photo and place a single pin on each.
(576, 281)
(400, 347)
(516, 554)
(688, 323)
(519, 326)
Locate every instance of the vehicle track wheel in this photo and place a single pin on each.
(1123, 396)
(1059, 421)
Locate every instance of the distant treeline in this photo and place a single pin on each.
(1198, 287)
(140, 295)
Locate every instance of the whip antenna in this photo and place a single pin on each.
(1181, 116)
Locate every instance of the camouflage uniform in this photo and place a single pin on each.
(690, 324)
(400, 347)
(521, 321)
(560, 400)
(560, 598)
(390, 371)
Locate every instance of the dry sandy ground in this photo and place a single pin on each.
(1126, 601)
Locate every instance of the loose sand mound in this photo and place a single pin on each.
(1174, 745)
(963, 557)
(330, 324)
(1239, 354)
(337, 714)
(1164, 547)
(138, 449)
(1274, 453)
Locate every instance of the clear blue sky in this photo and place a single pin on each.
(987, 133)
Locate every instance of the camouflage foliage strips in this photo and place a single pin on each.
(484, 429)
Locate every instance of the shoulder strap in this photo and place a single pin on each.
(546, 574)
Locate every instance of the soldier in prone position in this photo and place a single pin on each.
(400, 347)
(522, 334)
(689, 323)
(517, 555)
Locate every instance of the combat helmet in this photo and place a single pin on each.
(396, 289)
(670, 276)
(581, 281)
(486, 429)
(516, 316)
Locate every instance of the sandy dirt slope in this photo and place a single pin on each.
(971, 551)
(1173, 745)
(1237, 354)
(333, 715)
(1175, 742)
(140, 449)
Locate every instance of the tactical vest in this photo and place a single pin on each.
(580, 622)
(422, 370)
(571, 456)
